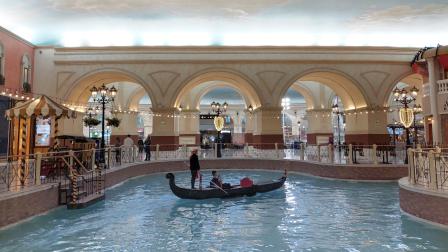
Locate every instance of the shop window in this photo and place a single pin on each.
(26, 74)
(2, 63)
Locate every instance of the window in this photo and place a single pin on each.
(2, 63)
(26, 74)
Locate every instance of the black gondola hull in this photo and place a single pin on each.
(236, 191)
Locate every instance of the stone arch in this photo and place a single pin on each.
(79, 90)
(409, 78)
(205, 90)
(348, 89)
(228, 77)
(309, 99)
(135, 97)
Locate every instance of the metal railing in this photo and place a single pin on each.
(17, 172)
(429, 168)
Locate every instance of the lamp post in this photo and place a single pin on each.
(406, 114)
(103, 95)
(298, 123)
(285, 105)
(337, 112)
(417, 109)
(219, 122)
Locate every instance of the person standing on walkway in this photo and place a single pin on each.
(141, 148)
(194, 168)
(148, 148)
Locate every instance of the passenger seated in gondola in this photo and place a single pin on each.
(216, 180)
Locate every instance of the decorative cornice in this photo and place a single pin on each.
(15, 36)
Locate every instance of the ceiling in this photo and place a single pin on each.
(228, 22)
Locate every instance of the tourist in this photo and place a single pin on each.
(194, 168)
(216, 180)
(147, 145)
(117, 150)
(141, 148)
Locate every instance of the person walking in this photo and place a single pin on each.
(147, 144)
(141, 148)
(194, 168)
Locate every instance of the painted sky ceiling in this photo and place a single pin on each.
(227, 22)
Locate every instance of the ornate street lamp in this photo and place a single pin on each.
(103, 95)
(338, 113)
(417, 109)
(219, 122)
(298, 124)
(250, 109)
(406, 113)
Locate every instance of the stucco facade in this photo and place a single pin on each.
(363, 77)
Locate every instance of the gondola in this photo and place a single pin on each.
(234, 191)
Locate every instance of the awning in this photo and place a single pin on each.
(42, 106)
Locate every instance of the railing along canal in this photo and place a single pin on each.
(81, 172)
(429, 168)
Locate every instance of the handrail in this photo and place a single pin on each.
(117, 156)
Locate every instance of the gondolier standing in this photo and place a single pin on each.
(194, 167)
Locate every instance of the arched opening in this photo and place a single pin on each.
(322, 90)
(26, 74)
(132, 106)
(396, 130)
(234, 117)
(194, 101)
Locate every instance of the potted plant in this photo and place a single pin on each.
(91, 122)
(113, 122)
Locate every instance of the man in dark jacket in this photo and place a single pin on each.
(194, 167)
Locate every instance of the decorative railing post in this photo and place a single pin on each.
(99, 179)
(411, 165)
(277, 153)
(302, 151)
(134, 153)
(319, 158)
(71, 154)
(350, 154)
(246, 148)
(38, 166)
(92, 160)
(330, 154)
(157, 151)
(432, 170)
(74, 183)
(215, 151)
(185, 150)
(373, 154)
(109, 156)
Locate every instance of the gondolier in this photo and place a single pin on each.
(194, 167)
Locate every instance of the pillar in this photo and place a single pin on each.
(238, 137)
(249, 130)
(165, 127)
(433, 70)
(189, 127)
(367, 126)
(267, 128)
(128, 126)
(319, 126)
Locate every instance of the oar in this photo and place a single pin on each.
(219, 187)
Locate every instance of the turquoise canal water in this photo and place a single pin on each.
(308, 214)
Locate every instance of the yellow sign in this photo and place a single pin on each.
(406, 117)
(219, 123)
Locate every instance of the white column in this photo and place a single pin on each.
(433, 90)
